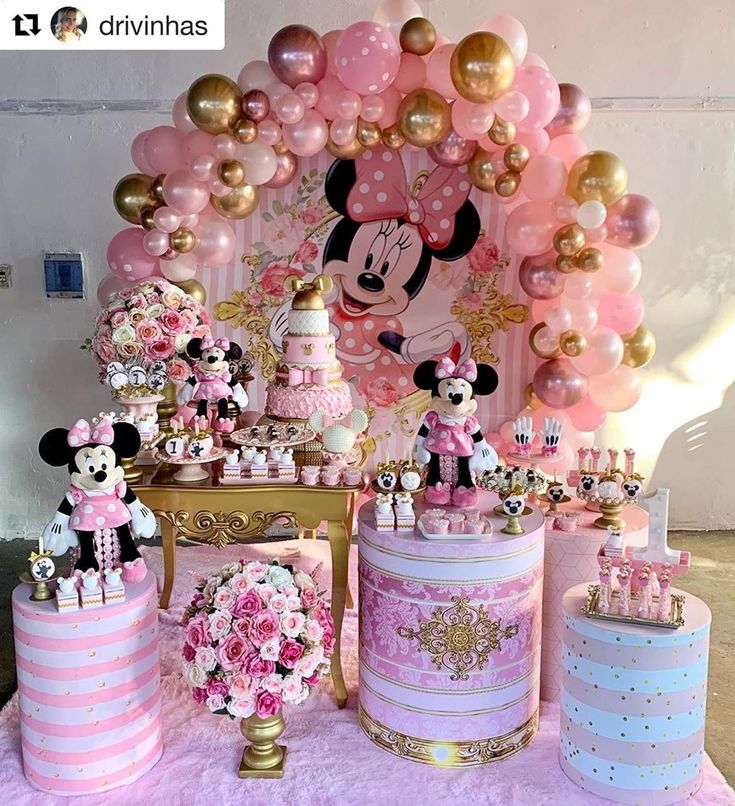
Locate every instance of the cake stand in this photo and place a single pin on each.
(191, 467)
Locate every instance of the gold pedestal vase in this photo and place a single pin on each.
(131, 472)
(167, 408)
(263, 758)
(610, 516)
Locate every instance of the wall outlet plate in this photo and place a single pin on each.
(5, 275)
(64, 275)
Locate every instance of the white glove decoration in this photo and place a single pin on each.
(143, 523)
(185, 394)
(57, 536)
(484, 458)
(239, 395)
(551, 433)
(523, 432)
(420, 454)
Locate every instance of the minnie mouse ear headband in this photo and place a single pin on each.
(82, 433)
(446, 368)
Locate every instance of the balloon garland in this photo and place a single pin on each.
(485, 102)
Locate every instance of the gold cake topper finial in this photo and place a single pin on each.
(309, 296)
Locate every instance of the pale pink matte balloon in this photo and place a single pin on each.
(184, 193)
(535, 140)
(183, 267)
(542, 91)
(163, 149)
(343, 131)
(603, 353)
(594, 236)
(530, 228)
(155, 242)
(558, 318)
(215, 242)
(438, 76)
(329, 89)
(308, 93)
(166, 219)
(190, 220)
(260, 161)
(289, 108)
(195, 144)
(512, 31)
(275, 90)
(217, 187)
(127, 257)
(269, 132)
(584, 314)
(534, 60)
(587, 415)
(367, 56)
(622, 312)
(632, 221)
(469, 119)
(391, 99)
(180, 115)
(109, 286)
(619, 390)
(137, 153)
(513, 106)
(620, 272)
(568, 147)
(203, 166)
(225, 146)
(544, 178)
(373, 108)
(308, 137)
(256, 75)
(558, 384)
(546, 340)
(565, 209)
(349, 105)
(577, 286)
(330, 43)
(412, 73)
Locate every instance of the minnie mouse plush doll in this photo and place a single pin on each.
(450, 441)
(97, 498)
(212, 381)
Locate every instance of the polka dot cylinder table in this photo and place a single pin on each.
(89, 691)
(633, 704)
(450, 640)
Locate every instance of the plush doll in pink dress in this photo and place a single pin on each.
(450, 441)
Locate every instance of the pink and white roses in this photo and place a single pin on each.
(256, 636)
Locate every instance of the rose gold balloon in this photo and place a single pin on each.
(368, 134)
(213, 103)
(256, 105)
(639, 347)
(558, 384)
(297, 54)
(288, 164)
(501, 132)
(453, 150)
(568, 240)
(424, 118)
(481, 171)
(182, 240)
(507, 183)
(418, 36)
(392, 137)
(348, 152)
(231, 173)
(482, 67)
(572, 343)
(597, 176)
(539, 277)
(245, 131)
(535, 348)
(589, 259)
(574, 112)
(516, 157)
(632, 221)
(238, 203)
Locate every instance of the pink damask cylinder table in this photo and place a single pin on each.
(570, 558)
(450, 640)
(89, 690)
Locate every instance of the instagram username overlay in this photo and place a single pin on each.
(112, 25)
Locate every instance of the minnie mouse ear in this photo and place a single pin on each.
(54, 448)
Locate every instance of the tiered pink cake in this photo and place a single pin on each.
(89, 688)
(450, 640)
(633, 704)
(308, 376)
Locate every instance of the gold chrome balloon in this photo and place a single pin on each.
(418, 36)
(348, 152)
(639, 347)
(530, 397)
(213, 103)
(368, 134)
(566, 265)
(182, 240)
(502, 132)
(392, 138)
(597, 176)
(507, 183)
(589, 259)
(157, 189)
(231, 173)
(482, 67)
(569, 239)
(481, 171)
(424, 118)
(572, 343)
(516, 157)
(245, 131)
(131, 195)
(194, 289)
(146, 218)
(238, 203)
(532, 335)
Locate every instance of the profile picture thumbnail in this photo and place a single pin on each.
(69, 24)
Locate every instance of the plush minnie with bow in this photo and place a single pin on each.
(211, 381)
(450, 441)
(98, 498)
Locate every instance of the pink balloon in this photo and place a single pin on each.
(391, 99)
(512, 31)
(412, 73)
(623, 313)
(256, 75)
(595, 236)
(349, 105)
(156, 243)
(183, 267)
(539, 307)
(546, 340)
(166, 219)
(565, 209)
(513, 106)
(603, 353)
(558, 384)
(455, 150)
(137, 153)
(296, 53)
(343, 131)
(577, 286)
(287, 165)
(558, 318)
(127, 258)
(373, 108)
(275, 90)
(438, 76)
(544, 178)
(367, 57)
(225, 146)
(535, 140)
(180, 115)
(568, 147)
(308, 93)
(184, 193)
(289, 108)
(260, 161)
(110, 285)
(190, 220)
(586, 415)
(195, 144)
(202, 167)
(469, 119)
(583, 313)
(539, 277)
(330, 43)
(574, 111)
(620, 272)
(632, 221)
(215, 242)
(308, 137)
(616, 391)
(217, 187)
(542, 91)
(530, 228)
(163, 149)
(329, 89)
(269, 132)
(534, 60)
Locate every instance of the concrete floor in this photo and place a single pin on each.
(712, 578)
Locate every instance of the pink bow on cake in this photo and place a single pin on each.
(446, 368)
(82, 433)
(318, 376)
(209, 342)
(380, 193)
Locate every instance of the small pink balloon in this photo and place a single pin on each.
(329, 89)
(583, 313)
(535, 140)
(308, 137)
(260, 161)
(542, 92)
(367, 57)
(469, 119)
(255, 76)
(438, 75)
(308, 93)
(127, 257)
(574, 111)
(190, 221)
(137, 154)
(412, 73)
(180, 268)
(586, 415)
(603, 353)
(512, 31)
(275, 90)
(534, 60)
(619, 390)
(184, 193)
(558, 318)
(166, 219)
(225, 146)
(203, 167)
(544, 178)
(287, 166)
(546, 340)
(577, 285)
(163, 149)
(620, 272)
(373, 108)
(391, 99)
(215, 242)
(623, 313)
(558, 384)
(568, 147)
(349, 105)
(530, 228)
(289, 108)
(217, 187)
(110, 285)
(155, 242)
(269, 132)
(595, 236)
(513, 106)
(564, 208)
(330, 43)
(455, 150)
(195, 144)
(540, 278)
(180, 115)
(343, 131)
(632, 221)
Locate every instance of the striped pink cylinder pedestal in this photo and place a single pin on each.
(89, 691)
(633, 704)
(570, 558)
(450, 640)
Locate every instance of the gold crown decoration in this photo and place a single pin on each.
(633, 477)
(309, 296)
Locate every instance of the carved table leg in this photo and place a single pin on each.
(168, 536)
(340, 559)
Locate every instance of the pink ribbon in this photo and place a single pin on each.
(446, 368)
(317, 376)
(208, 342)
(380, 193)
(82, 433)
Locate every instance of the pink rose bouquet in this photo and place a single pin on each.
(256, 636)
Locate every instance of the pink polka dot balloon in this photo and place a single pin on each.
(542, 92)
(367, 57)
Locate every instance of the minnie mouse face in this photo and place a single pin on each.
(213, 356)
(454, 395)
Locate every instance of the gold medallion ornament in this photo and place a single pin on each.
(460, 637)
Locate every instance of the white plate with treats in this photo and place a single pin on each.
(190, 465)
(456, 535)
(258, 436)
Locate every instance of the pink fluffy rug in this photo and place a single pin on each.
(330, 760)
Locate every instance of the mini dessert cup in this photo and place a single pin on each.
(472, 515)
(476, 527)
(310, 475)
(330, 476)
(456, 522)
(352, 476)
(441, 527)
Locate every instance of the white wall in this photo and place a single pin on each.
(660, 74)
